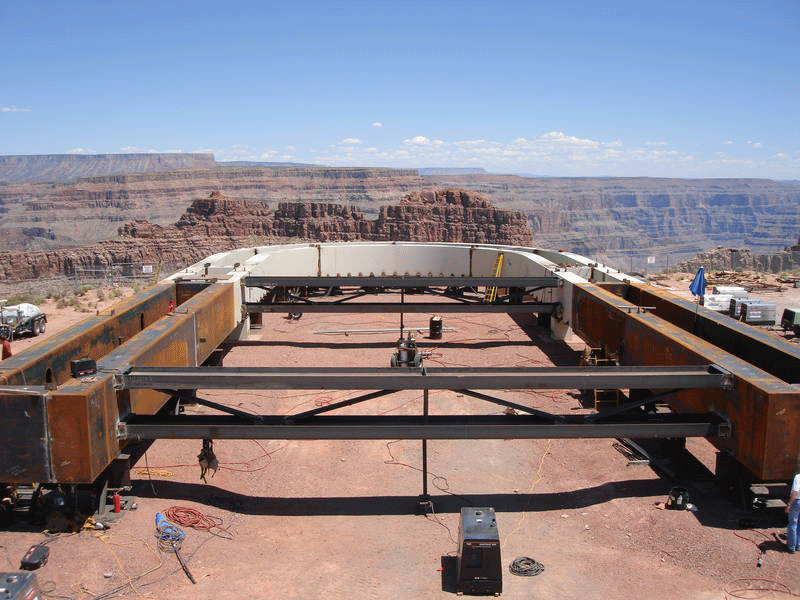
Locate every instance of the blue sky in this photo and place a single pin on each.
(679, 89)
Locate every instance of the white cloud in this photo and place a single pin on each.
(350, 141)
(137, 150)
(80, 151)
(727, 143)
(377, 124)
(560, 154)
(419, 140)
(780, 155)
(13, 109)
(757, 144)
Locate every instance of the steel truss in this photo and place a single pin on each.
(440, 378)
(626, 421)
(442, 427)
(304, 293)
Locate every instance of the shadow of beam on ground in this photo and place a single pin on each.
(559, 352)
(397, 505)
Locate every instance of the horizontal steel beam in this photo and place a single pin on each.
(440, 427)
(377, 378)
(397, 307)
(398, 281)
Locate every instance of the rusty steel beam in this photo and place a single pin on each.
(436, 378)
(757, 346)
(72, 430)
(764, 410)
(94, 337)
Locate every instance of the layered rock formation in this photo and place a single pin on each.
(219, 223)
(625, 220)
(724, 258)
(621, 221)
(91, 209)
(63, 167)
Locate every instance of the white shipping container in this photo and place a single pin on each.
(718, 302)
(733, 290)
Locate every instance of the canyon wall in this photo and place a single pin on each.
(625, 220)
(621, 221)
(219, 223)
(724, 258)
(91, 209)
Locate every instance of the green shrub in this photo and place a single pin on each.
(20, 298)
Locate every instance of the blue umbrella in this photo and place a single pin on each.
(698, 285)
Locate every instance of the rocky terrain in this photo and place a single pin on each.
(91, 209)
(620, 221)
(219, 223)
(726, 258)
(625, 220)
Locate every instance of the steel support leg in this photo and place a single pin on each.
(425, 504)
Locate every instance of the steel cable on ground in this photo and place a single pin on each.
(525, 566)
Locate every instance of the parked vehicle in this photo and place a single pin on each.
(22, 319)
(790, 321)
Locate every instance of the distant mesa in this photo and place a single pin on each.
(65, 167)
(257, 163)
(451, 171)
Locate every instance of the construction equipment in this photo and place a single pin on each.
(790, 320)
(21, 319)
(479, 569)
(722, 379)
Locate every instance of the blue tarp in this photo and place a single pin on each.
(698, 285)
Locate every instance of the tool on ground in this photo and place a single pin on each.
(170, 537)
(93, 524)
(35, 557)
(207, 459)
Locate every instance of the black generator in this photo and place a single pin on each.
(479, 570)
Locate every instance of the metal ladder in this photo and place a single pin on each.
(491, 292)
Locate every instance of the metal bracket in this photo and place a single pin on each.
(728, 378)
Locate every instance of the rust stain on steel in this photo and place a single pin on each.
(775, 356)
(79, 421)
(762, 408)
(93, 338)
(183, 339)
(24, 451)
(83, 431)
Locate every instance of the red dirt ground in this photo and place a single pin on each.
(335, 519)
